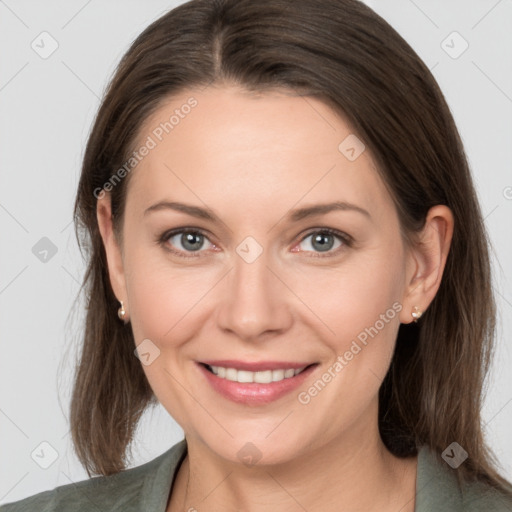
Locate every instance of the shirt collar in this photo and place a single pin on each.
(436, 486)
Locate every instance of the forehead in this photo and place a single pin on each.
(228, 147)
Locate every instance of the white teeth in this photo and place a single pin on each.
(242, 376)
(278, 374)
(264, 377)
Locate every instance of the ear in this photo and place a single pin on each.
(426, 261)
(112, 248)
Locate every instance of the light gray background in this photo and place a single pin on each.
(47, 107)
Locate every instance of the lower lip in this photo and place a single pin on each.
(254, 393)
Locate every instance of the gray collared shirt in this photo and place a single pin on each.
(146, 488)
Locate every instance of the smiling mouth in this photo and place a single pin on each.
(259, 377)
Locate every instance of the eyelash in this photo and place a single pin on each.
(344, 238)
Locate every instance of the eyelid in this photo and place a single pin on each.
(163, 239)
(346, 239)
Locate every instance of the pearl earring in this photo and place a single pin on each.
(416, 314)
(121, 312)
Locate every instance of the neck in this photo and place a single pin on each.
(354, 471)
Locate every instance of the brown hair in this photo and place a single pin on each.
(345, 54)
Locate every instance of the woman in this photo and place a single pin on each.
(283, 230)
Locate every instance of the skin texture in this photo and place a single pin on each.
(252, 159)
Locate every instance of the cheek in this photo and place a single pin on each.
(162, 295)
(161, 301)
(360, 306)
(355, 295)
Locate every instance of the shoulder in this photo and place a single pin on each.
(139, 488)
(478, 497)
(437, 488)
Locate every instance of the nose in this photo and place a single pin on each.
(256, 302)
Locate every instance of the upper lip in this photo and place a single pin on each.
(256, 366)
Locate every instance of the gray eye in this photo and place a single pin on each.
(320, 241)
(190, 241)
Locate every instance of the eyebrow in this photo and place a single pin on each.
(293, 216)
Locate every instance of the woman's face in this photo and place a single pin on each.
(259, 280)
